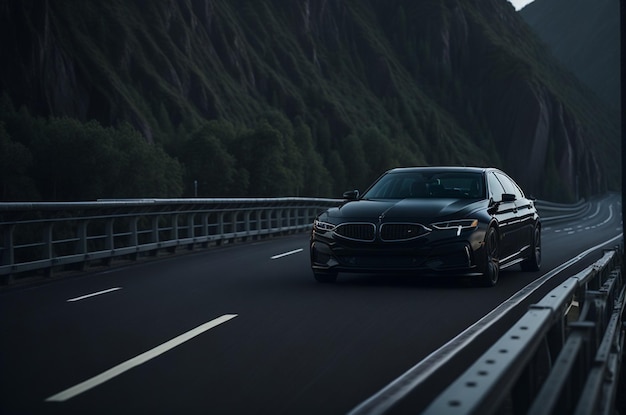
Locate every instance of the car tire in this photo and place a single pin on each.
(325, 277)
(534, 262)
(491, 270)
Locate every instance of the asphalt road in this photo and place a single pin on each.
(245, 329)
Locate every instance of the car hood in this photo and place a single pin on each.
(422, 210)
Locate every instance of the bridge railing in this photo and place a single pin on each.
(562, 357)
(43, 237)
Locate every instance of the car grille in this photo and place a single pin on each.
(357, 231)
(390, 232)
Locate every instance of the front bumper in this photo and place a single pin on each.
(458, 257)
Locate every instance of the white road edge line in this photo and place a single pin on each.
(384, 399)
(295, 251)
(138, 360)
(94, 294)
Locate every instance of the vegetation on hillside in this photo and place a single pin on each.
(264, 97)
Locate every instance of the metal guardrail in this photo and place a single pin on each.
(551, 212)
(47, 236)
(562, 357)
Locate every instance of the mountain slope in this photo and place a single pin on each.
(584, 35)
(327, 94)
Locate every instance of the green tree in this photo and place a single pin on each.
(76, 161)
(292, 159)
(262, 153)
(146, 169)
(358, 172)
(71, 160)
(316, 180)
(340, 174)
(380, 150)
(15, 164)
(207, 161)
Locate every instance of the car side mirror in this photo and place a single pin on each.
(351, 194)
(508, 197)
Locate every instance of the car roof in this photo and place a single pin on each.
(450, 169)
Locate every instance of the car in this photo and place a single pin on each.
(458, 221)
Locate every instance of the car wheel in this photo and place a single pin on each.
(491, 270)
(325, 277)
(534, 262)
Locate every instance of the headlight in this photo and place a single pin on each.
(323, 226)
(459, 225)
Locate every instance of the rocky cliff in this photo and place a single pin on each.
(585, 36)
(439, 81)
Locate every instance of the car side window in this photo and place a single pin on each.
(495, 188)
(509, 186)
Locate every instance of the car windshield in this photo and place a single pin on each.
(428, 184)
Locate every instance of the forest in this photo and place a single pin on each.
(63, 159)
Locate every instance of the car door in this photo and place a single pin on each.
(525, 212)
(520, 230)
(505, 211)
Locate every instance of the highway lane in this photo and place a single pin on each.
(289, 345)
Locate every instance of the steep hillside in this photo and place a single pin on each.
(584, 35)
(312, 97)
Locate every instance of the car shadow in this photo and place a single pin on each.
(405, 281)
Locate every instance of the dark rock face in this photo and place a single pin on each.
(584, 35)
(535, 131)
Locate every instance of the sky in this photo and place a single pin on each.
(518, 4)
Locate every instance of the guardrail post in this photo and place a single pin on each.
(309, 216)
(246, 223)
(284, 223)
(220, 226)
(8, 252)
(109, 240)
(288, 219)
(234, 227)
(190, 230)
(260, 219)
(279, 219)
(205, 230)
(174, 232)
(271, 220)
(134, 236)
(600, 388)
(154, 235)
(567, 378)
(304, 214)
(532, 377)
(81, 245)
(48, 248)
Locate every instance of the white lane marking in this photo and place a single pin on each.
(138, 360)
(384, 399)
(295, 251)
(570, 231)
(93, 294)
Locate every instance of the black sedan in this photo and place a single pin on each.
(464, 221)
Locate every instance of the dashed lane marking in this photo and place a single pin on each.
(82, 297)
(295, 251)
(138, 360)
